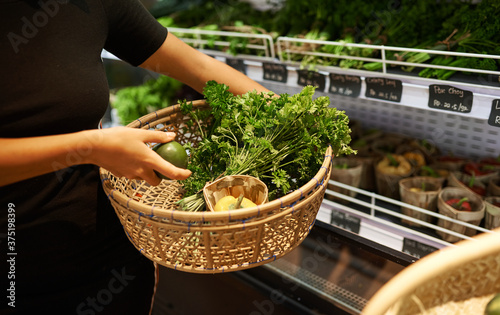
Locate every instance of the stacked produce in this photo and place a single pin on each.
(416, 172)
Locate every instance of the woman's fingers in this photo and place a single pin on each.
(158, 163)
(156, 136)
(169, 170)
(123, 151)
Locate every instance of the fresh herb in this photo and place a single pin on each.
(427, 171)
(460, 204)
(472, 181)
(280, 140)
(392, 160)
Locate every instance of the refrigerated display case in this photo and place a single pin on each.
(361, 239)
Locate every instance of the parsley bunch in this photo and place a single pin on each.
(279, 140)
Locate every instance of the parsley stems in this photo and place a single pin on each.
(276, 139)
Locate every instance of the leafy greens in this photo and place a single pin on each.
(280, 140)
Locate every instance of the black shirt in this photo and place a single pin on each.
(69, 243)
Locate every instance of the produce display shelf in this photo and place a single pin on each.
(285, 51)
(213, 43)
(415, 91)
(379, 218)
(319, 285)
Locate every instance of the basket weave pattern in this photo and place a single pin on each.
(463, 290)
(209, 242)
(455, 280)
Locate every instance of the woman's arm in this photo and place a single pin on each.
(120, 150)
(186, 64)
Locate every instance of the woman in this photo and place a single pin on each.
(70, 255)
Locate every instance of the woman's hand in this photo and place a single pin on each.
(123, 152)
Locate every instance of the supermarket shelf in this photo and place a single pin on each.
(215, 43)
(378, 218)
(319, 285)
(412, 90)
(286, 51)
(415, 89)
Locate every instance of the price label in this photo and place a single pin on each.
(238, 64)
(307, 77)
(345, 221)
(275, 72)
(494, 119)
(384, 89)
(450, 98)
(417, 249)
(346, 85)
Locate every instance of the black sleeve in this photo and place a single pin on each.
(133, 34)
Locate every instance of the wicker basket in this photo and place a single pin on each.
(455, 280)
(210, 242)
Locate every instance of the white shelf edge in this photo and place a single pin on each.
(382, 231)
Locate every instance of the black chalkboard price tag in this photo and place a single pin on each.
(346, 85)
(345, 221)
(494, 119)
(238, 64)
(384, 89)
(275, 72)
(417, 249)
(308, 77)
(447, 97)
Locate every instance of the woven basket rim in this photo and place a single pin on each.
(295, 196)
(432, 266)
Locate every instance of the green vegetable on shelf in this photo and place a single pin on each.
(392, 160)
(455, 25)
(428, 171)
